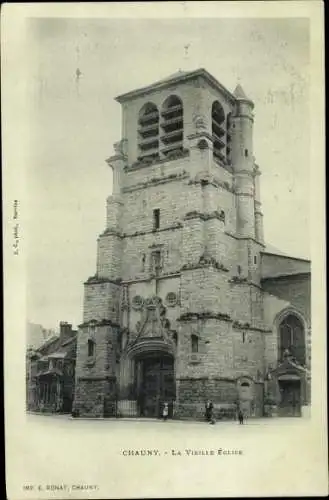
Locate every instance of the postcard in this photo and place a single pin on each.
(164, 243)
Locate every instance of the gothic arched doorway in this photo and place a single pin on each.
(155, 383)
(290, 395)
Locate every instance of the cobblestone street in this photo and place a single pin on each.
(141, 458)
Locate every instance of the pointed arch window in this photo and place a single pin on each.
(172, 125)
(218, 131)
(292, 338)
(148, 132)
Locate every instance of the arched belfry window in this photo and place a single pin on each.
(172, 125)
(148, 132)
(292, 338)
(218, 131)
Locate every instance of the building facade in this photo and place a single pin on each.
(187, 303)
(50, 373)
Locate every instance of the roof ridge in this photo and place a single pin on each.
(180, 74)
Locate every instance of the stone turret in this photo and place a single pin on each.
(243, 163)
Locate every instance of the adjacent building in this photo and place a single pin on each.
(37, 335)
(187, 302)
(50, 373)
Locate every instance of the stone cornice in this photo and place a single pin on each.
(239, 325)
(196, 316)
(237, 280)
(98, 378)
(102, 322)
(155, 181)
(204, 216)
(94, 280)
(179, 225)
(138, 165)
(212, 181)
(111, 232)
(241, 193)
(224, 379)
(244, 172)
(205, 261)
(241, 238)
(152, 277)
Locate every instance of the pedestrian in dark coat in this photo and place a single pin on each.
(209, 410)
(240, 415)
(165, 411)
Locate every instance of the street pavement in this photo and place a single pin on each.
(141, 458)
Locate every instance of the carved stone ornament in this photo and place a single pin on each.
(200, 122)
(153, 323)
(171, 299)
(137, 302)
(120, 147)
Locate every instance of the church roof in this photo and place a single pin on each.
(173, 76)
(272, 250)
(177, 77)
(275, 251)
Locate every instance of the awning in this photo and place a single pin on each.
(55, 372)
(57, 355)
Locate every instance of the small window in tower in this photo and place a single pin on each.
(156, 261)
(194, 343)
(246, 152)
(156, 218)
(243, 337)
(91, 348)
(239, 269)
(255, 259)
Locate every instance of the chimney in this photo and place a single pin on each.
(65, 331)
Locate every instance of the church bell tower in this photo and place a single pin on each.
(176, 288)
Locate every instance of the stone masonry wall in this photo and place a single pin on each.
(101, 301)
(109, 251)
(92, 372)
(193, 394)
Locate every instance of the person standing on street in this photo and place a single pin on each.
(165, 411)
(209, 410)
(240, 415)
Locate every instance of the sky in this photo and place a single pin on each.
(73, 126)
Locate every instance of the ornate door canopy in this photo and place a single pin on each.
(153, 330)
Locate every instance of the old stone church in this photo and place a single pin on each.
(188, 302)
